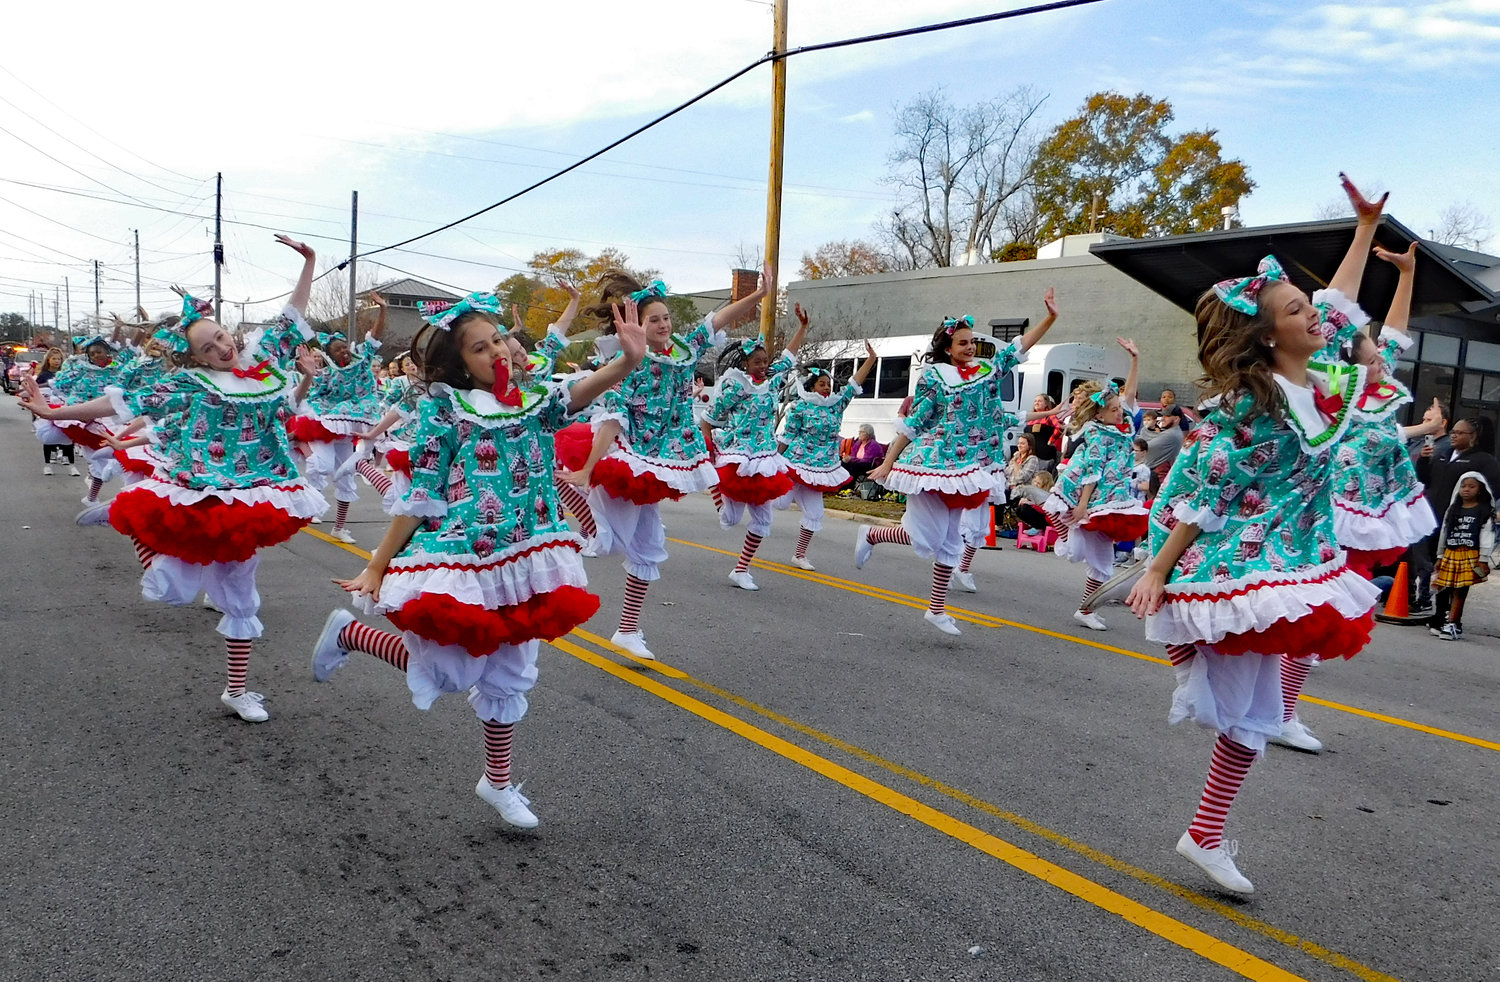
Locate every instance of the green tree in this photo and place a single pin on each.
(1114, 167)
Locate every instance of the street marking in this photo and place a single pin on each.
(1198, 942)
(993, 845)
(1271, 931)
(987, 620)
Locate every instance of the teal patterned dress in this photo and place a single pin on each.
(494, 563)
(660, 453)
(743, 416)
(1104, 460)
(1266, 574)
(811, 436)
(956, 427)
(225, 482)
(343, 400)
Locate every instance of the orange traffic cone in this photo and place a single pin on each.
(989, 538)
(1395, 603)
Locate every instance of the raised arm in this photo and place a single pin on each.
(743, 306)
(35, 402)
(302, 292)
(378, 331)
(1031, 337)
(1352, 269)
(795, 344)
(564, 322)
(865, 367)
(1132, 381)
(1399, 315)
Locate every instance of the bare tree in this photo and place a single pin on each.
(1462, 224)
(954, 169)
(329, 302)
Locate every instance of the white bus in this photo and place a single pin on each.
(1053, 369)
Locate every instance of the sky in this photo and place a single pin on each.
(434, 112)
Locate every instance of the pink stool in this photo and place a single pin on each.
(1041, 540)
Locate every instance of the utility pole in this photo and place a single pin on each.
(137, 268)
(218, 243)
(56, 296)
(353, 327)
(96, 290)
(773, 189)
(68, 292)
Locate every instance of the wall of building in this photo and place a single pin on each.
(1097, 304)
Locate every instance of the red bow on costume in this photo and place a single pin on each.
(968, 371)
(1329, 405)
(508, 394)
(259, 372)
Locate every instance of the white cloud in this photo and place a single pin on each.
(863, 116)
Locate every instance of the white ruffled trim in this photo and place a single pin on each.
(116, 396)
(1402, 339)
(1343, 304)
(758, 465)
(832, 398)
(424, 506)
(296, 500)
(902, 428)
(503, 579)
(489, 411)
(1204, 518)
(343, 425)
(909, 480)
(828, 477)
(400, 484)
(1270, 599)
(1403, 523)
(699, 475)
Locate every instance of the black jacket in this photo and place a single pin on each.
(1441, 474)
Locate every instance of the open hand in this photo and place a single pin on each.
(630, 332)
(801, 315)
(1368, 211)
(1049, 300)
(1404, 261)
(368, 582)
(1129, 346)
(308, 363)
(1148, 593)
(300, 248)
(567, 287)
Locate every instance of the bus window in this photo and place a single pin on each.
(1055, 386)
(1008, 387)
(895, 377)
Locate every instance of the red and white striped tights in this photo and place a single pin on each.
(388, 647)
(635, 599)
(576, 502)
(377, 477)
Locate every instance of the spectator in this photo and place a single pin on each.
(1141, 475)
(1045, 433)
(1024, 463)
(1163, 446)
(864, 453)
(1030, 497)
(1169, 407)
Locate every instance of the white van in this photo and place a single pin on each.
(1051, 369)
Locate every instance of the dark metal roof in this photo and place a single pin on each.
(408, 287)
(1181, 267)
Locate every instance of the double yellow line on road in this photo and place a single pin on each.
(988, 620)
(1162, 925)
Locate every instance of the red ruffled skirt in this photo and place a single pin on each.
(1118, 526)
(963, 502)
(1364, 561)
(443, 620)
(81, 435)
(134, 465)
(756, 489)
(1323, 632)
(400, 461)
(207, 531)
(307, 429)
(617, 480)
(571, 446)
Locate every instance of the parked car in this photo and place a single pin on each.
(24, 361)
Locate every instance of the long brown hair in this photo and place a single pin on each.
(439, 356)
(1235, 354)
(615, 286)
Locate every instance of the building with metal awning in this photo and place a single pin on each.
(1455, 308)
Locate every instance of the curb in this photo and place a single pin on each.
(861, 518)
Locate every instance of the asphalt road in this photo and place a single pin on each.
(813, 784)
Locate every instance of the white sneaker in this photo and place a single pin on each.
(95, 514)
(743, 580)
(943, 622)
(1218, 863)
(248, 706)
(342, 535)
(46, 470)
(328, 655)
(1295, 734)
(315, 520)
(863, 547)
(633, 642)
(509, 802)
(1090, 620)
(590, 548)
(74, 472)
(208, 602)
(965, 581)
(801, 563)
